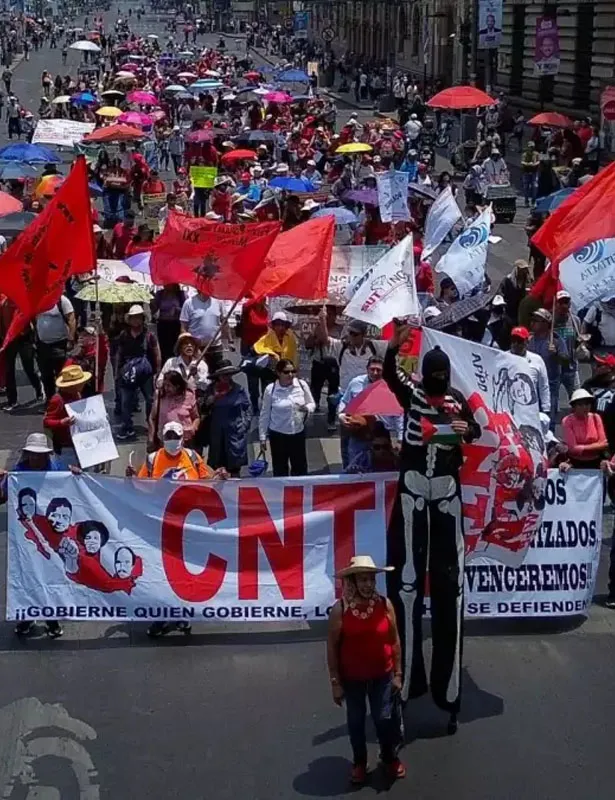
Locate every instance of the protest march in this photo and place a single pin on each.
(206, 267)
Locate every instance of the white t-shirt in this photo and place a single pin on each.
(606, 325)
(354, 362)
(202, 317)
(281, 404)
(51, 325)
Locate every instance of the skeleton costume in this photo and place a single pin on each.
(431, 516)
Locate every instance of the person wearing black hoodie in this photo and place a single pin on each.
(437, 420)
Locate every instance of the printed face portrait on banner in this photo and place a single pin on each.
(547, 53)
(489, 23)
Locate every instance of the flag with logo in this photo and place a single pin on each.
(393, 196)
(441, 217)
(464, 261)
(388, 289)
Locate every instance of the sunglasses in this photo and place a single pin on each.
(289, 371)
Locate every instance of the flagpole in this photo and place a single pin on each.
(552, 334)
(220, 327)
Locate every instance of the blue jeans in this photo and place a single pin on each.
(129, 396)
(382, 704)
(529, 186)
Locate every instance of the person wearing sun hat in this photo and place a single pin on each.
(364, 662)
(57, 420)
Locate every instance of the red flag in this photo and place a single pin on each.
(218, 259)
(584, 217)
(298, 264)
(57, 244)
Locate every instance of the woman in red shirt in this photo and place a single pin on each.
(364, 659)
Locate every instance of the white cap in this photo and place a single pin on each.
(96, 228)
(310, 205)
(211, 215)
(281, 316)
(498, 300)
(562, 295)
(37, 443)
(173, 427)
(135, 311)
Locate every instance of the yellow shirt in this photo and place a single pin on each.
(269, 344)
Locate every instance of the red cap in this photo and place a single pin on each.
(520, 333)
(609, 360)
(245, 176)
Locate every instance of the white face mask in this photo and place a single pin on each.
(172, 446)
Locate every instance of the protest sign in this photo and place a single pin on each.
(504, 471)
(393, 196)
(203, 177)
(441, 217)
(589, 273)
(110, 270)
(547, 49)
(91, 432)
(61, 132)
(489, 23)
(388, 289)
(96, 548)
(464, 261)
(152, 203)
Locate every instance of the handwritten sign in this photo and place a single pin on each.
(393, 196)
(91, 432)
(152, 203)
(61, 132)
(203, 177)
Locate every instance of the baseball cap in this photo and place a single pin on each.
(609, 360)
(520, 333)
(135, 311)
(521, 263)
(281, 316)
(357, 326)
(562, 295)
(542, 313)
(498, 300)
(173, 427)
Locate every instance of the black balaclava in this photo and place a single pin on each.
(436, 360)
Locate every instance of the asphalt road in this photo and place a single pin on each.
(245, 712)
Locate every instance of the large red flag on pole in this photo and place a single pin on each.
(299, 262)
(57, 244)
(218, 259)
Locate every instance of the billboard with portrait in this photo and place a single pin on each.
(489, 24)
(546, 52)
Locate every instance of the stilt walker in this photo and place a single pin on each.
(428, 537)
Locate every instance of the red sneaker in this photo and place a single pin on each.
(358, 776)
(396, 770)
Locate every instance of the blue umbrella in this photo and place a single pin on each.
(28, 153)
(83, 99)
(291, 185)
(206, 87)
(15, 171)
(294, 76)
(343, 216)
(552, 201)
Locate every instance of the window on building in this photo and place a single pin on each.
(583, 55)
(416, 32)
(518, 50)
(401, 29)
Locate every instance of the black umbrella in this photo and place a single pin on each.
(14, 223)
(257, 136)
(460, 310)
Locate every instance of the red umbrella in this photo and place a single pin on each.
(200, 136)
(460, 97)
(239, 155)
(252, 76)
(551, 119)
(9, 204)
(114, 133)
(375, 399)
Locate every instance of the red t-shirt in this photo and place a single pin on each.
(254, 323)
(122, 235)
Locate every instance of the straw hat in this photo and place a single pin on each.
(361, 564)
(72, 376)
(182, 339)
(580, 395)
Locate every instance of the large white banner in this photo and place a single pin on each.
(97, 548)
(61, 132)
(393, 196)
(504, 472)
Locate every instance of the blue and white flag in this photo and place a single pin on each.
(589, 273)
(441, 217)
(464, 261)
(393, 196)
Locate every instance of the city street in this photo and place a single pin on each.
(244, 711)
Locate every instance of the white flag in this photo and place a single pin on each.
(464, 261)
(393, 196)
(441, 217)
(387, 289)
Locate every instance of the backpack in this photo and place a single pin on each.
(138, 369)
(151, 460)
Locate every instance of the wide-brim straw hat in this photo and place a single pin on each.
(361, 564)
(72, 376)
(182, 339)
